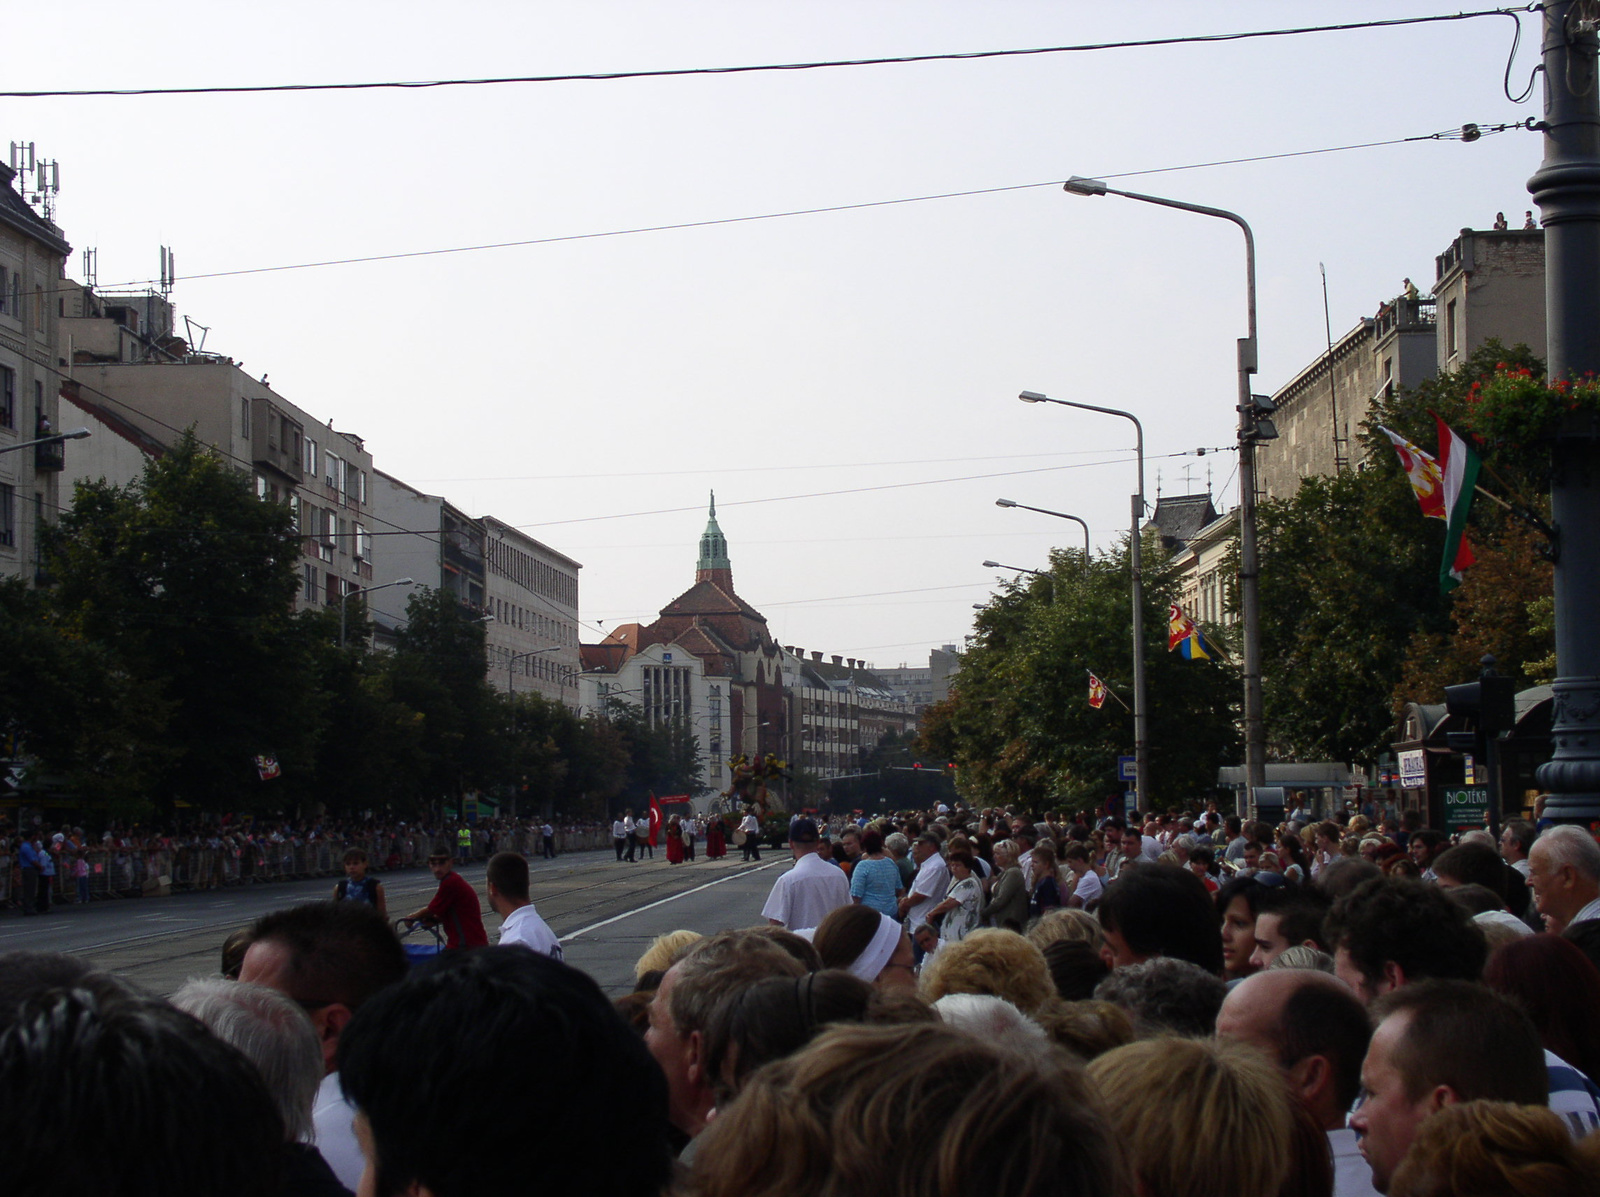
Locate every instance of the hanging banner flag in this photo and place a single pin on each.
(267, 767)
(1097, 692)
(1423, 472)
(1459, 465)
(1185, 636)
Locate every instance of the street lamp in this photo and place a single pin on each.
(1141, 710)
(77, 434)
(1060, 515)
(1038, 573)
(345, 599)
(1250, 431)
(511, 661)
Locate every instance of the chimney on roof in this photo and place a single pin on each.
(850, 661)
(837, 659)
(816, 656)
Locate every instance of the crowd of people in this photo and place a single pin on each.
(41, 868)
(943, 1003)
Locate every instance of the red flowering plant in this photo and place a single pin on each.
(1517, 407)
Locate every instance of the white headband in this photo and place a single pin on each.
(885, 940)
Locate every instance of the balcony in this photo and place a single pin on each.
(50, 458)
(1404, 315)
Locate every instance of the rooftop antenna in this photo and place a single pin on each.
(169, 272)
(1339, 462)
(1188, 477)
(38, 180)
(189, 326)
(91, 268)
(1158, 482)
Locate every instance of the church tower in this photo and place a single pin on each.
(714, 566)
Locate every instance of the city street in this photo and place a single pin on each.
(604, 912)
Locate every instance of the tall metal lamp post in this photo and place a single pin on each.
(1038, 573)
(1060, 515)
(1141, 709)
(1253, 427)
(345, 599)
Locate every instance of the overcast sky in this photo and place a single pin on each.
(846, 381)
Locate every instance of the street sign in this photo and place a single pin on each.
(1465, 807)
(1127, 769)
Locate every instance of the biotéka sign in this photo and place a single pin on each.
(1465, 807)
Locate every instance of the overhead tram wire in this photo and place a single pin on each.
(1457, 134)
(679, 72)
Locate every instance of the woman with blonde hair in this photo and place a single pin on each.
(1001, 963)
(1046, 893)
(664, 951)
(1078, 926)
(1199, 1117)
(1496, 1149)
(916, 1109)
(1006, 903)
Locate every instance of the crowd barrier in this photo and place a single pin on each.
(153, 872)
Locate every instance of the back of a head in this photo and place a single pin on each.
(797, 946)
(1471, 864)
(426, 1062)
(989, 1017)
(1075, 968)
(664, 951)
(1559, 987)
(992, 961)
(1301, 913)
(1409, 923)
(1166, 996)
(1161, 910)
(844, 934)
(508, 873)
(27, 974)
(1495, 1149)
(339, 951)
(773, 1019)
(1323, 1018)
(1340, 877)
(1222, 1103)
(833, 1119)
(1065, 923)
(1505, 1061)
(126, 1097)
(272, 1032)
(721, 965)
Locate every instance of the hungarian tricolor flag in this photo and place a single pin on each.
(1444, 488)
(1097, 692)
(1184, 635)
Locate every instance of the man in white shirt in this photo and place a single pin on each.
(750, 828)
(630, 832)
(619, 836)
(930, 885)
(507, 883)
(1516, 841)
(812, 889)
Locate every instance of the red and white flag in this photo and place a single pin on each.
(1423, 472)
(1097, 692)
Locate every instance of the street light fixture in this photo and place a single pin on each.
(1141, 709)
(76, 434)
(1251, 429)
(1060, 515)
(1038, 573)
(345, 599)
(511, 661)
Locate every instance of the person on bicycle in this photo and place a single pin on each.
(454, 907)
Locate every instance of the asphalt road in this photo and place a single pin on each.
(605, 914)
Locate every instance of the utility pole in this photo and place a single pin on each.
(1566, 188)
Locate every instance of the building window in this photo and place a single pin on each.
(5, 294)
(8, 515)
(362, 496)
(1450, 328)
(8, 397)
(363, 544)
(38, 308)
(311, 584)
(244, 419)
(311, 457)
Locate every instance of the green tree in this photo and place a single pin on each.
(186, 578)
(1018, 723)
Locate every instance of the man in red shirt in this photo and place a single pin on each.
(454, 907)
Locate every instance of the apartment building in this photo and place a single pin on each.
(33, 254)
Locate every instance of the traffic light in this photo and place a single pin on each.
(1489, 702)
(1256, 425)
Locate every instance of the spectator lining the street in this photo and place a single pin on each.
(426, 1064)
(991, 1018)
(1001, 963)
(1076, 967)
(1499, 1148)
(1222, 1126)
(834, 1120)
(1564, 873)
(664, 951)
(1559, 988)
(1165, 996)
(1393, 931)
(1161, 911)
(870, 945)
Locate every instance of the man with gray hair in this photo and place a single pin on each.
(1564, 874)
(1516, 841)
(1165, 995)
(276, 1035)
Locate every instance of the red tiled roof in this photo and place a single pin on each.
(705, 598)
